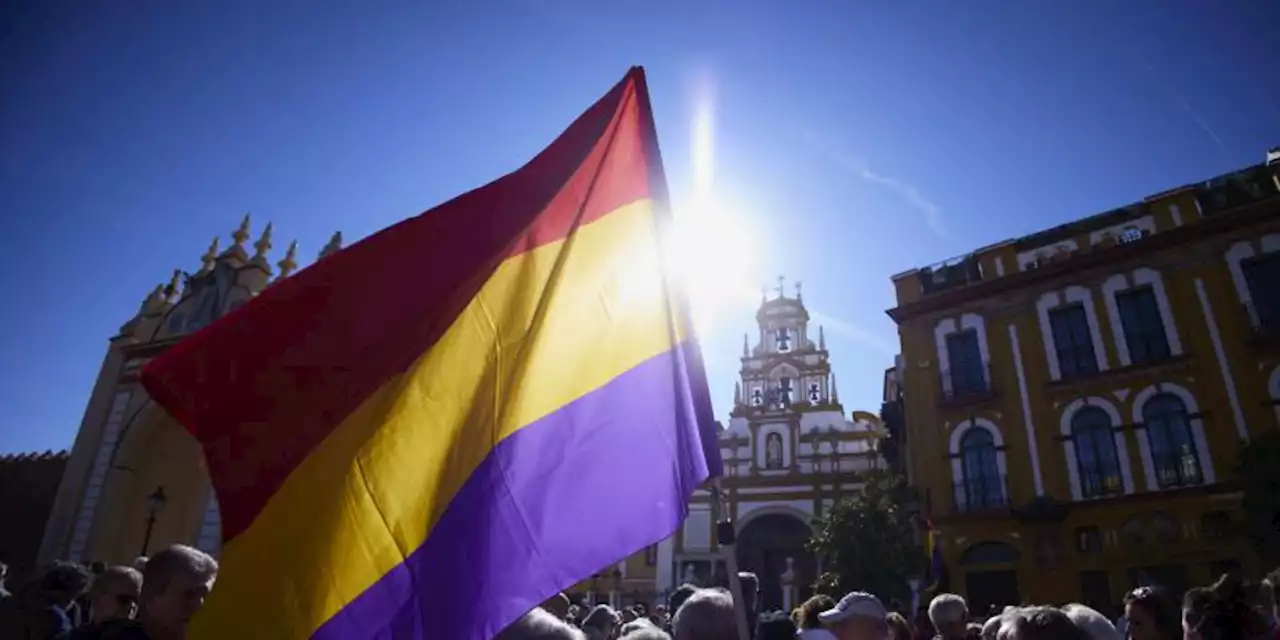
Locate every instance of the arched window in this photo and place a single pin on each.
(981, 484)
(1096, 453)
(1173, 451)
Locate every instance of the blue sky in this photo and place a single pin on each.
(860, 138)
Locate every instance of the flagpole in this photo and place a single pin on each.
(725, 538)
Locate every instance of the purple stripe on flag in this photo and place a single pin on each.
(600, 478)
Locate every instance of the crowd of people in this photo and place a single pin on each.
(156, 598)
(152, 600)
(1229, 609)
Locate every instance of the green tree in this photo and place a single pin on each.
(867, 542)
(1260, 473)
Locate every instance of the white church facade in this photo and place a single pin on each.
(790, 452)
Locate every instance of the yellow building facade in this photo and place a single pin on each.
(1073, 402)
(136, 480)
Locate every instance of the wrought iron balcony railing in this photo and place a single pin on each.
(979, 494)
(966, 384)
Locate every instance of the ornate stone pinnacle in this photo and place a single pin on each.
(335, 243)
(241, 235)
(263, 245)
(155, 301)
(172, 290)
(289, 262)
(210, 256)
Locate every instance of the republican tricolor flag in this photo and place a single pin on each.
(428, 433)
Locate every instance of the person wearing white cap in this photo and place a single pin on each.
(858, 616)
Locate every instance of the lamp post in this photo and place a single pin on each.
(155, 504)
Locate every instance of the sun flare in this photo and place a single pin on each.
(707, 251)
(712, 243)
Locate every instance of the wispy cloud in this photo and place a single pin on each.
(860, 167)
(1107, 27)
(855, 333)
(932, 212)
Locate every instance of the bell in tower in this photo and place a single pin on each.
(784, 393)
(783, 336)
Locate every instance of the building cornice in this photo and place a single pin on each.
(1245, 216)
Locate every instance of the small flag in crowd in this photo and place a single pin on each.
(428, 433)
(935, 574)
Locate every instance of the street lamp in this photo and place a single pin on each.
(155, 504)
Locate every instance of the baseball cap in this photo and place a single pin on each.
(856, 603)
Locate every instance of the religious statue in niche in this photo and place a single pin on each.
(790, 594)
(773, 451)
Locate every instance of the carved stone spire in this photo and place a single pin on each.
(798, 290)
(239, 237)
(154, 302)
(261, 247)
(745, 351)
(835, 395)
(289, 262)
(173, 291)
(737, 393)
(822, 339)
(335, 243)
(210, 256)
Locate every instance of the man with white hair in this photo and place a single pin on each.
(949, 614)
(1094, 624)
(708, 614)
(858, 616)
(539, 625)
(1038, 623)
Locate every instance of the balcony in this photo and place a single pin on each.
(950, 274)
(1100, 484)
(981, 495)
(1226, 192)
(1176, 471)
(966, 386)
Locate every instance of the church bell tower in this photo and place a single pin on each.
(786, 385)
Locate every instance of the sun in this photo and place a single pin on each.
(712, 258)
(712, 243)
(707, 250)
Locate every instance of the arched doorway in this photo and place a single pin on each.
(771, 544)
(154, 452)
(991, 576)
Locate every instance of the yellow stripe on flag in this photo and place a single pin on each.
(549, 326)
